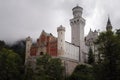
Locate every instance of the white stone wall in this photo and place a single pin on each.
(70, 66)
(71, 51)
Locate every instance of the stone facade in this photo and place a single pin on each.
(89, 42)
(70, 66)
(72, 51)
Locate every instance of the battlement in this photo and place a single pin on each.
(61, 28)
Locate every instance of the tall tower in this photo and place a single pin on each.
(61, 40)
(77, 30)
(109, 26)
(77, 26)
(28, 46)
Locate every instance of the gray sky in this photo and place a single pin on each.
(22, 18)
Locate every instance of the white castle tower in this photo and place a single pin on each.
(77, 26)
(77, 29)
(61, 40)
(28, 46)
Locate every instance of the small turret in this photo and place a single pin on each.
(28, 46)
(61, 40)
(109, 26)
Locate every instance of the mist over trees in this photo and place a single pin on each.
(12, 64)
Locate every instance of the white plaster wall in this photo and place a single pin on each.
(71, 51)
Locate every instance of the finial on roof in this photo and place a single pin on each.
(109, 22)
(43, 30)
(90, 29)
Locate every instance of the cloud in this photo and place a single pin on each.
(22, 18)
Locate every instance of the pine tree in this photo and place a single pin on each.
(91, 58)
(109, 50)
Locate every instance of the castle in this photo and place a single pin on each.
(71, 54)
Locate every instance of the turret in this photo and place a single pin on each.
(61, 40)
(108, 26)
(77, 11)
(77, 26)
(28, 46)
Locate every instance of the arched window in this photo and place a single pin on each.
(41, 53)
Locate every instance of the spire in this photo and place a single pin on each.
(108, 26)
(90, 30)
(77, 5)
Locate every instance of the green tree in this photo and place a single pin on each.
(2, 44)
(118, 33)
(91, 58)
(19, 47)
(109, 51)
(48, 68)
(10, 64)
(82, 72)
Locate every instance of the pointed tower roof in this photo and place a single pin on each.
(90, 30)
(108, 26)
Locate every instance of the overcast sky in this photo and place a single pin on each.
(22, 18)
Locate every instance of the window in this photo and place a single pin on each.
(71, 22)
(74, 21)
(41, 53)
